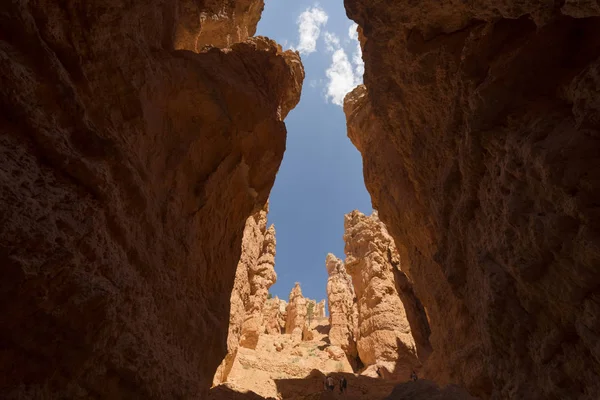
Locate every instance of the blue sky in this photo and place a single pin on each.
(320, 178)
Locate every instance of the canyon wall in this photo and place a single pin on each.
(479, 127)
(217, 23)
(384, 337)
(127, 173)
(343, 311)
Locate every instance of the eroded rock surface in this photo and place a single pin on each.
(315, 309)
(296, 313)
(384, 336)
(479, 131)
(261, 276)
(320, 309)
(254, 275)
(281, 357)
(127, 172)
(217, 23)
(274, 314)
(343, 311)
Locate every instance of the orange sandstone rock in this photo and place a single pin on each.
(296, 313)
(128, 170)
(261, 276)
(343, 311)
(274, 315)
(384, 336)
(478, 126)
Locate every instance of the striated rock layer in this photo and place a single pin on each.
(479, 128)
(384, 336)
(127, 172)
(343, 311)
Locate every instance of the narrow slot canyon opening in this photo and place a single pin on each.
(299, 313)
(432, 232)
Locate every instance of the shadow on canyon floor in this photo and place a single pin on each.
(359, 387)
(311, 387)
(224, 392)
(323, 329)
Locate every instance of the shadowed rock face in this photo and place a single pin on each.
(127, 173)
(427, 390)
(479, 130)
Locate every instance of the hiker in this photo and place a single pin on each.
(343, 384)
(414, 376)
(329, 383)
(378, 372)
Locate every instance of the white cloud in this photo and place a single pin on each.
(332, 42)
(314, 83)
(352, 31)
(359, 65)
(309, 28)
(342, 78)
(342, 75)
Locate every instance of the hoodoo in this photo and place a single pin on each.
(384, 338)
(296, 313)
(254, 275)
(343, 311)
(140, 140)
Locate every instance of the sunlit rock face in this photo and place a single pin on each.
(261, 276)
(320, 309)
(478, 126)
(254, 275)
(315, 309)
(384, 338)
(274, 314)
(296, 313)
(343, 311)
(217, 23)
(127, 173)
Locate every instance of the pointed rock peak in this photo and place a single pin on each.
(296, 291)
(333, 264)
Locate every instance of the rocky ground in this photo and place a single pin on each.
(294, 345)
(281, 357)
(283, 368)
